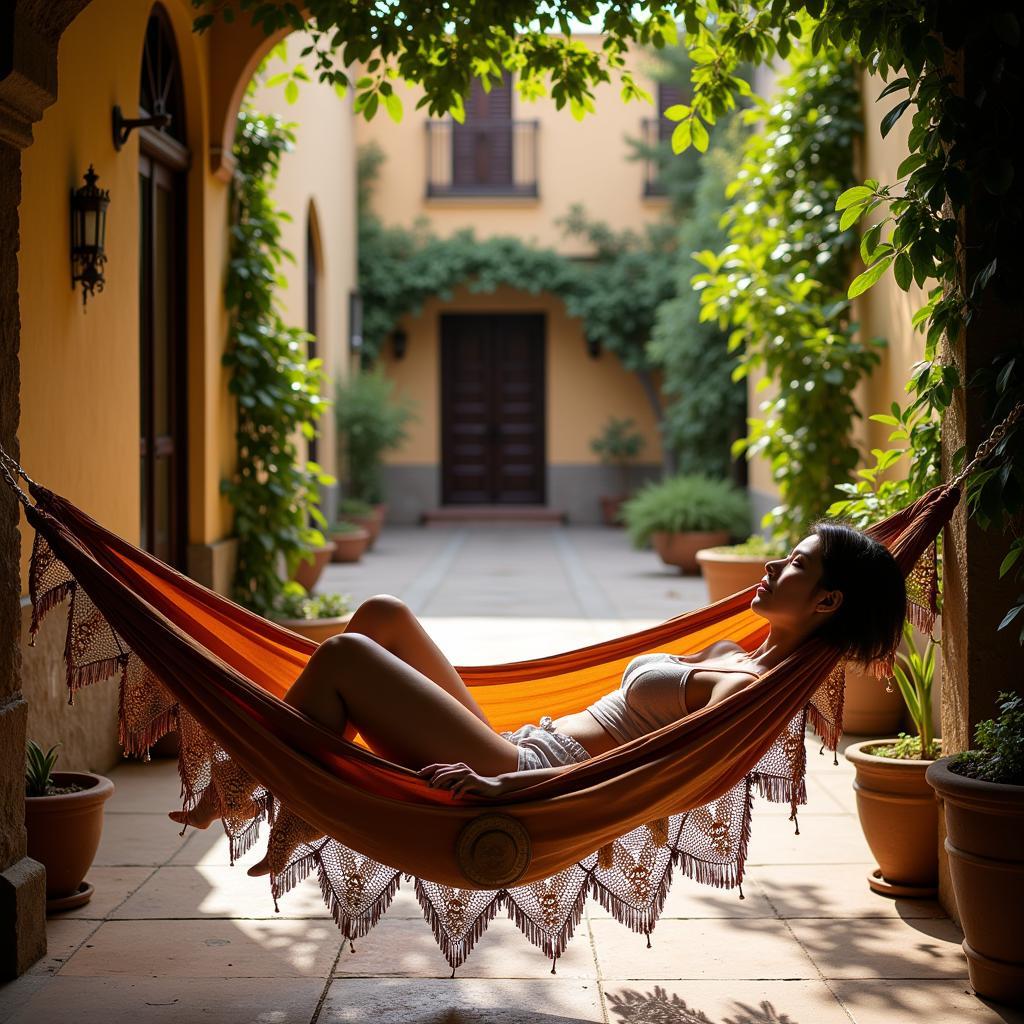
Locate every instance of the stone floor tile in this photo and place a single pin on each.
(210, 847)
(883, 948)
(215, 891)
(823, 839)
(462, 1001)
(821, 799)
(407, 947)
(285, 948)
(687, 899)
(141, 787)
(728, 1002)
(159, 1000)
(137, 840)
(933, 1002)
(113, 885)
(833, 890)
(63, 937)
(704, 949)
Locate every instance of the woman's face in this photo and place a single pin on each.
(790, 594)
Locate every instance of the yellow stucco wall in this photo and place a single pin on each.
(318, 179)
(584, 162)
(581, 392)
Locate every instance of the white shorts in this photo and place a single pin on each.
(542, 746)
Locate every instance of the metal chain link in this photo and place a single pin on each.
(986, 448)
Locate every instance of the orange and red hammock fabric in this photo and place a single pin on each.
(612, 827)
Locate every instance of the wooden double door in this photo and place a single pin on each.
(492, 409)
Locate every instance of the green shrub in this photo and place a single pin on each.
(755, 546)
(370, 422)
(296, 603)
(354, 507)
(687, 502)
(999, 756)
(617, 445)
(344, 526)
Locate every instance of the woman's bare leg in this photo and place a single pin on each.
(390, 622)
(403, 715)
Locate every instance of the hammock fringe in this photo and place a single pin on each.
(355, 927)
(551, 943)
(455, 950)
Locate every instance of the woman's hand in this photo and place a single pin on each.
(460, 779)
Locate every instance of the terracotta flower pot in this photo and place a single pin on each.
(726, 574)
(307, 572)
(610, 505)
(350, 545)
(370, 522)
(317, 630)
(899, 817)
(681, 549)
(869, 709)
(985, 846)
(64, 833)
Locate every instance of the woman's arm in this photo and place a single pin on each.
(460, 778)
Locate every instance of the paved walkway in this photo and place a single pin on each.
(175, 934)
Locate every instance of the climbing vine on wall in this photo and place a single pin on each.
(273, 491)
(781, 283)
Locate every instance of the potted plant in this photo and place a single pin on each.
(729, 568)
(318, 617)
(350, 540)
(895, 805)
(64, 822)
(363, 514)
(982, 797)
(370, 422)
(682, 514)
(617, 445)
(311, 564)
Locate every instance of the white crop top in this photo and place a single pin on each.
(652, 694)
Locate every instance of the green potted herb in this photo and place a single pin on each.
(894, 802)
(355, 511)
(729, 568)
(351, 540)
(64, 822)
(982, 797)
(370, 422)
(617, 445)
(682, 514)
(317, 618)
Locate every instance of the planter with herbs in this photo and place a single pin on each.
(63, 822)
(317, 618)
(356, 512)
(351, 540)
(895, 805)
(982, 796)
(683, 514)
(618, 444)
(730, 568)
(311, 564)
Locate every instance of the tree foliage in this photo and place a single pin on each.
(277, 387)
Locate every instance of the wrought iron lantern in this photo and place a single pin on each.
(399, 341)
(88, 230)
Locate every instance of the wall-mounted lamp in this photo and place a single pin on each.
(399, 341)
(355, 321)
(88, 230)
(593, 347)
(124, 126)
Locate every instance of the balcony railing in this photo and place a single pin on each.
(482, 158)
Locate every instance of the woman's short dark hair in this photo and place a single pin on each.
(869, 622)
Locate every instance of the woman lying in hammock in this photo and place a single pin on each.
(418, 712)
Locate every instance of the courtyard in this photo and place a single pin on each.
(173, 933)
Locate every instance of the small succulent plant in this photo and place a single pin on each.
(38, 769)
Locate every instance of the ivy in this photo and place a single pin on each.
(277, 389)
(781, 284)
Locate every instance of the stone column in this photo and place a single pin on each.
(29, 34)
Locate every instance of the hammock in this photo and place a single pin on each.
(612, 827)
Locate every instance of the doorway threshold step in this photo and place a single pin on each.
(494, 515)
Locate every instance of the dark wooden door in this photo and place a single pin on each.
(492, 409)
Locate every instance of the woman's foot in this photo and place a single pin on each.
(200, 816)
(288, 833)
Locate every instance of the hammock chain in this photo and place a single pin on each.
(986, 448)
(19, 493)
